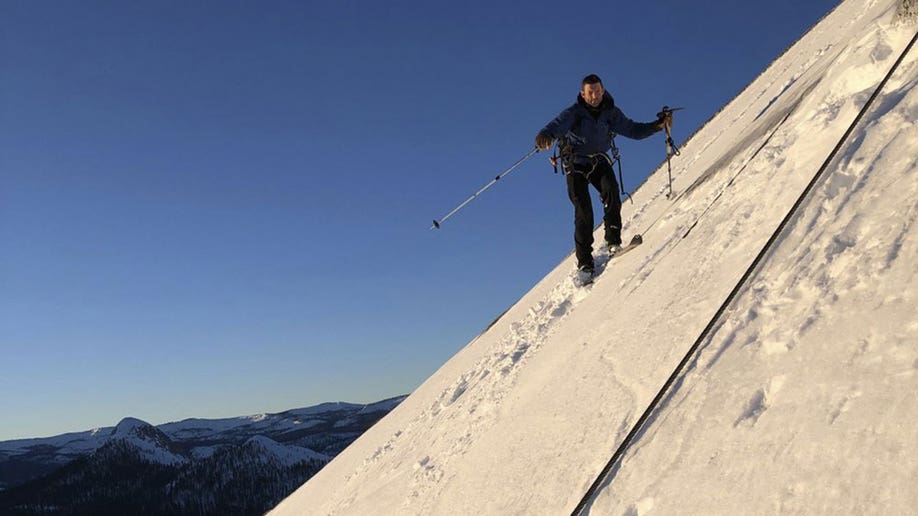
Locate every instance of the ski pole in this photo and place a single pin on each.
(436, 223)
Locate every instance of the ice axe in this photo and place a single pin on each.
(666, 114)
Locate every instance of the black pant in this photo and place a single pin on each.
(602, 178)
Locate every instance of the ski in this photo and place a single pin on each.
(636, 240)
(603, 259)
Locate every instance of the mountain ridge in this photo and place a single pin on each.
(165, 467)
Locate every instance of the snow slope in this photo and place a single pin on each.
(802, 398)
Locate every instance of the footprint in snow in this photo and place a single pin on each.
(756, 405)
(759, 402)
(642, 506)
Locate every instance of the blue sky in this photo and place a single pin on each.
(211, 209)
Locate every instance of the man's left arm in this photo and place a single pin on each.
(628, 128)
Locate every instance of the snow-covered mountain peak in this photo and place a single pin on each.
(285, 454)
(152, 444)
(260, 440)
(130, 426)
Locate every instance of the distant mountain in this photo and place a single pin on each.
(240, 465)
(150, 442)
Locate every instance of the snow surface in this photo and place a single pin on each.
(801, 401)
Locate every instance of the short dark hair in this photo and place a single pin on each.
(590, 79)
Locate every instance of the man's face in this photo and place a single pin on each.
(592, 94)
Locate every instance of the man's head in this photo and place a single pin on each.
(591, 90)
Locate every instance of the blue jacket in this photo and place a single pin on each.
(593, 135)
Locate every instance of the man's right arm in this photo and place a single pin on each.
(555, 129)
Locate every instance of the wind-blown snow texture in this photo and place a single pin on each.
(801, 401)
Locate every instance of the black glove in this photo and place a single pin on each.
(543, 141)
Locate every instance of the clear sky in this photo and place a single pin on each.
(211, 209)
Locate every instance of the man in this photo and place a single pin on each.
(584, 132)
